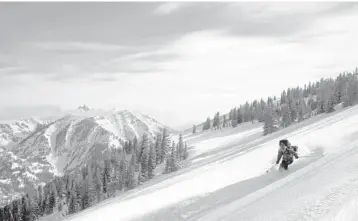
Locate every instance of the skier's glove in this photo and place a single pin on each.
(277, 162)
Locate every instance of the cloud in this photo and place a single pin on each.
(278, 19)
(79, 47)
(138, 63)
(252, 68)
(168, 8)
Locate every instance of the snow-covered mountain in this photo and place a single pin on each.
(13, 132)
(18, 175)
(65, 144)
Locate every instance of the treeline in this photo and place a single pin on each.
(294, 105)
(103, 176)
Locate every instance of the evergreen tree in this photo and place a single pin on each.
(2, 215)
(15, 211)
(165, 144)
(180, 147)
(194, 129)
(98, 182)
(59, 206)
(35, 207)
(240, 116)
(234, 118)
(167, 167)
(152, 162)
(26, 209)
(158, 149)
(270, 124)
(79, 203)
(207, 124)
(216, 121)
(144, 161)
(72, 204)
(91, 186)
(105, 179)
(122, 172)
(143, 146)
(40, 200)
(286, 117)
(131, 173)
(186, 154)
(7, 213)
(174, 162)
(224, 121)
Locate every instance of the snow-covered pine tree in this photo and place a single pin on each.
(40, 200)
(152, 162)
(25, 209)
(270, 123)
(234, 118)
(207, 124)
(216, 120)
(98, 182)
(194, 129)
(143, 176)
(16, 211)
(7, 213)
(165, 144)
(180, 147)
(224, 121)
(174, 161)
(158, 149)
(144, 145)
(105, 179)
(167, 167)
(131, 179)
(2, 215)
(35, 206)
(78, 203)
(286, 118)
(91, 185)
(239, 116)
(72, 204)
(185, 154)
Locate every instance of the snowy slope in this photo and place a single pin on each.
(226, 179)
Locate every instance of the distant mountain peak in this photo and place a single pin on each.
(83, 108)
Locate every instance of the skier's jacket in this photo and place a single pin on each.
(286, 153)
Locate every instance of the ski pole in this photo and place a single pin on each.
(270, 168)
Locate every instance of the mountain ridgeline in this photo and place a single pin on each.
(294, 105)
(83, 158)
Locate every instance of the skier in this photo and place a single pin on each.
(287, 152)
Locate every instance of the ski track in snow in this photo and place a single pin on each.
(325, 188)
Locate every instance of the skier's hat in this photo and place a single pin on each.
(284, 141)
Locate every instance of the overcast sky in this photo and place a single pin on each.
(178, 62)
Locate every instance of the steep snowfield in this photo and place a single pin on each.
(226, 179)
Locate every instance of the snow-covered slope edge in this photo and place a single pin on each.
(187, 196)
